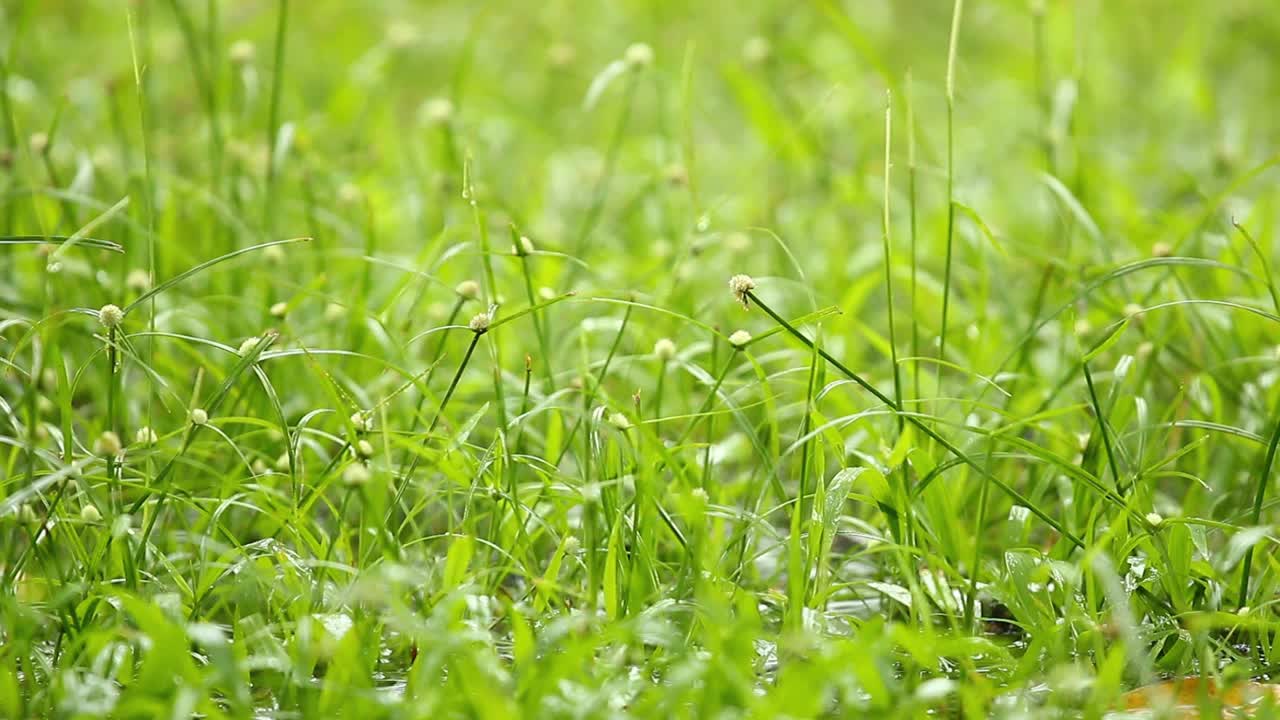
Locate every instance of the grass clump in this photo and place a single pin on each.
(288, 428)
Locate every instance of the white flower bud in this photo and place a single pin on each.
(279, 309)
(138, 280)
(145, 436)
(361, 422)
(242, 52)
(110, 316)
(90, 514)
(198, 416)
(740, 285)
(1155, 519)
(739, 339)
(107, 444)
(437, 111)
(664, 349)
(356, 474)
(468, 289)
(479, 323)
(364, 448)
(639, 55)
(1161, 249)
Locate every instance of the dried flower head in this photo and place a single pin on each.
(356, 474)
(198, 416)
(639, 55)
(107, 444)
(110, 316)
(739, 339)
(664, 349)
(741, 285)
(468, 289)
(480, 323)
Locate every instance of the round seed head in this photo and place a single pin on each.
(664, 349)
(334, 311)
(620, 421)
(110, 316)
(1133, 310)
(479, 323)
(468, 289)
(739, 339)
(145, 436)
(741, 285)
(1161, 249)
(572, 545)
(279, 309)
(107, 444)
(546, 293)
(282, 463)
(198, 416)
(248, 345)
(259, 467)
(361, 422)
(525, 247)
(639, 55)
(356, 474)
(364, 448)
(1155, 519)
(90, 514)
(138, 280)
(273, 254)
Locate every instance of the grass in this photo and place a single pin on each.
(425, 393)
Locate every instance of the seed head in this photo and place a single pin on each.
(27, 514)
(741, 285)
(468, 289)
(524, 247)
(572, 545)
(361, 422)
(145, 436)
(546, 293)
(273, 254)
(356, 474)
(107, 444)
(664, 349)
(480, 323)
(138, 280)
(1133, 310)
(198, 416)
(639, 55)
(364, 448)
(279, 309)
(1155, 519)
(739, 339)
(282, 463)
(110, 316)
(242, 52)
(248, 345)
(620, 421)
(90, 514)
(1161, 249)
